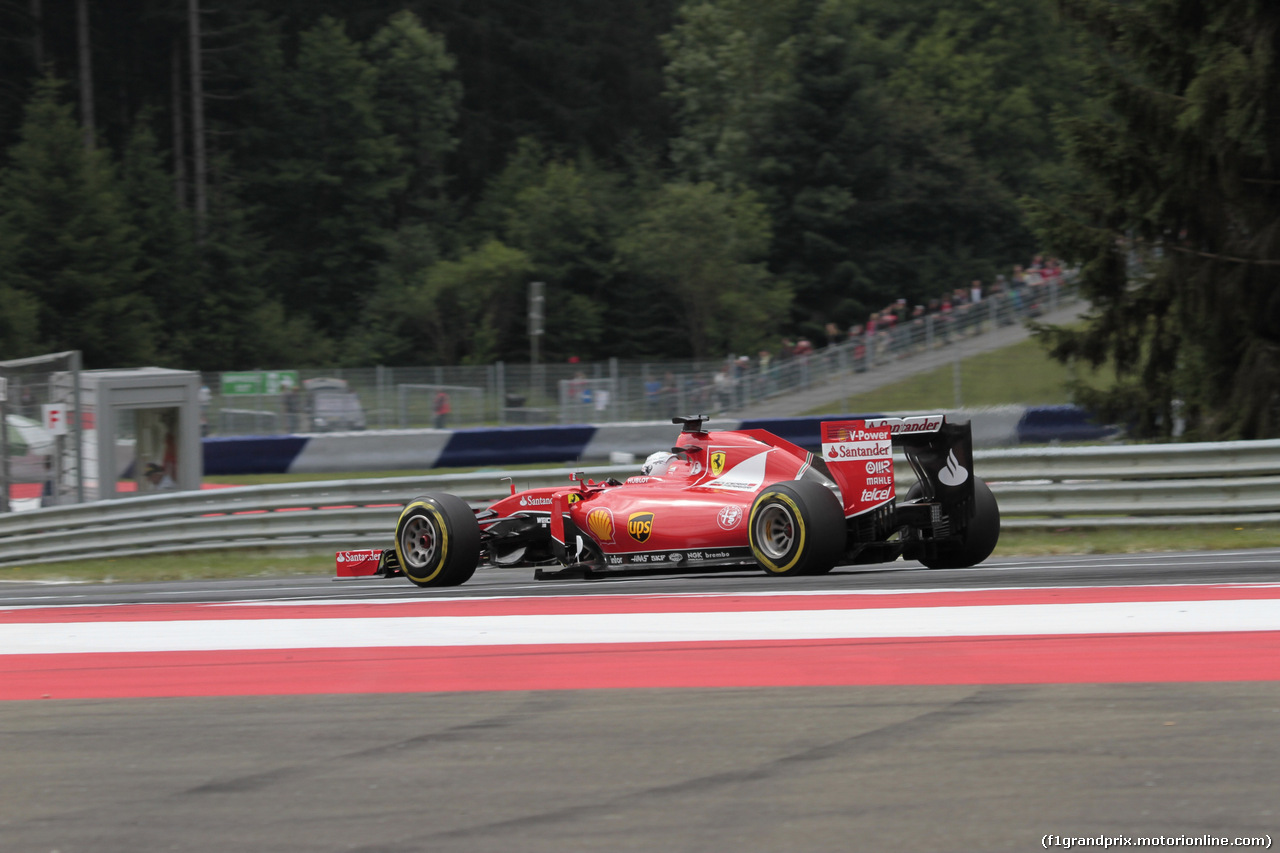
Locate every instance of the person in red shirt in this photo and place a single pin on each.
(441, 408)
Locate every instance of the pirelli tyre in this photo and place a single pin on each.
(796, 528)
(979, 538)
(438, 541)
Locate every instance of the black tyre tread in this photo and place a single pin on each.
(464, 539)
(981, 537)
(823, 519)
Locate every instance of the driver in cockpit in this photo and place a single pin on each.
(662, 463)
(658, 463)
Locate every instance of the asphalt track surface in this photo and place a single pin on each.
(1173, 738)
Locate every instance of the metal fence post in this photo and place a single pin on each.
(500, 381)
(955, 381)
(79, 424)
(378, 395)
(614, 390)
(4, 454)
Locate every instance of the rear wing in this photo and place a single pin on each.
(859, 454)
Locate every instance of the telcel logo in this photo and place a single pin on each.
(875, 495)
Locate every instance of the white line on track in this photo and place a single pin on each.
(1144, 617)
(1146, 556)
(1112, 565)
(773, 593)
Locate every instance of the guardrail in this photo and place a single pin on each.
(1182, 484)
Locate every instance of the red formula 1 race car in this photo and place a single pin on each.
(723, 499)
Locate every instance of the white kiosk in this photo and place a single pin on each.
(140, 424)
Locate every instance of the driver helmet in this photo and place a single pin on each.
(657, 463)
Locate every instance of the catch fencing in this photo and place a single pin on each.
(1233, 483)
(30, 453)
(615, 390)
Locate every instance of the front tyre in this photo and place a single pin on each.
(979, 539)
(438, 541)
(796, 528)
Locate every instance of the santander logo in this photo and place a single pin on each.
(953, 474)
(855, 450)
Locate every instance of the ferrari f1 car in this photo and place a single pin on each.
(724, 499)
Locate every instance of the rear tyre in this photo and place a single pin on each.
(796, 528)
(979, 538)
(438, 541)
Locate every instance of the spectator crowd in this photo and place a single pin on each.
(895, 330)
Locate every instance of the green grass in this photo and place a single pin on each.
(1021, 374)
(202, 565)
(1135, 540)
(310, 562)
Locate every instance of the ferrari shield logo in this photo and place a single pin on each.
(573, 498)
(717, 463)
(640, 526)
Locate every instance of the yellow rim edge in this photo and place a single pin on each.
(444, 541)
(769, 564)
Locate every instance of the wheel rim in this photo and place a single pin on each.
(418, 541)
(775, 531)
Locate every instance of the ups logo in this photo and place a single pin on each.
(640, 525)
(717, 463)
(600, 521)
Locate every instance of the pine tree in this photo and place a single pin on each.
(698, 250)
(322, 174)
(994, 71)
(241, 321)
(871, 198)
(1178, 231)
(75, 252)
(731, 64)
(19, 311)
(167, 252)
(416, 101)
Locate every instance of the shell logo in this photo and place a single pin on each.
(600, 523)
(835, 432)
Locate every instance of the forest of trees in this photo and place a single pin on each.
(223, 184)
